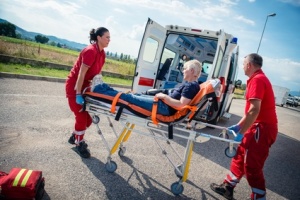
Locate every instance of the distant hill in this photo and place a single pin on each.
(31, 36)
(295, 93)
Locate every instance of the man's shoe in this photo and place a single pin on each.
(72, 139)
(82, 150)
(224, 189)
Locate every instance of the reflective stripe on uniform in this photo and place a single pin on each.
(258, 191)
(232, 179)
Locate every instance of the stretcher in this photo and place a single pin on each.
(161, 128)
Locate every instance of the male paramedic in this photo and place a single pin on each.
(257, 131)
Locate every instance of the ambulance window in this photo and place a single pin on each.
(167, 54)
(218, 63)
(150, 50)
(206, 67)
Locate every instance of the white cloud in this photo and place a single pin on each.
(120, 10)
(243, 19)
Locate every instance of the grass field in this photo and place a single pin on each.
(40, 71)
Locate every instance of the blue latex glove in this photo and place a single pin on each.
(238, 137)
(236, 128)
(79, 99)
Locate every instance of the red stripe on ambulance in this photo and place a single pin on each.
(146, 81)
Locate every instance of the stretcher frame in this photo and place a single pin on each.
(159, 132)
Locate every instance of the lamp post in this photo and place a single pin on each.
(270, 15)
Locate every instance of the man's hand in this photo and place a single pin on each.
(79, 99)
(236, 128)
(238, 137)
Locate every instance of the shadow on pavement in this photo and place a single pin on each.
(119, 188)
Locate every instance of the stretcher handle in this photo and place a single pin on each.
(232, 131)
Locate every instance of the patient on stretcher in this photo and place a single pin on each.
(167, 103)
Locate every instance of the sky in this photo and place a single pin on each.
(126, 20)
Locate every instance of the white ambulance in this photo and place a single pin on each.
(164, 50)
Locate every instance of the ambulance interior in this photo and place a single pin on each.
(177, 50)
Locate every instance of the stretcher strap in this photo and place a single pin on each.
(154, 110)
(118, 115)
(170, 131)
(114, 103)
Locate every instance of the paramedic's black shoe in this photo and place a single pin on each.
(224, 189)
(72, 139)
(82, 150)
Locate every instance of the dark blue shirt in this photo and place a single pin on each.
(187, 90)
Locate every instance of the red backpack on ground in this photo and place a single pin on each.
(21, 184)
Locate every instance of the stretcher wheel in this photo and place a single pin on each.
(179, 167)
(230, 154)
(95, 119)
(111, 166)
(226, 135)
(122, 151)
(177, 188)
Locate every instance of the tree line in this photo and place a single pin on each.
(9, 30)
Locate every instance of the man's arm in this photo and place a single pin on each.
(250, 117)
(173, 102)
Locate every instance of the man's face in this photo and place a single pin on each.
(246, 66)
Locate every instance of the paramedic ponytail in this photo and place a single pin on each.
(94, 33)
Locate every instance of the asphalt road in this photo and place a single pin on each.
(35, 124)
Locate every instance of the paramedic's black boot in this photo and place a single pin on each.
(82, 150)
(72, 139)
(224, 189)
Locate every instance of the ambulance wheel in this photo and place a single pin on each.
(226, 135)
(122, 151)
(177, 188)
(179, 167)
(230, 154)
(95, 119)
(111, 166)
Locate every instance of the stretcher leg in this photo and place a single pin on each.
(112, 127)
(164, 152)
(187, 161)
(124, 135)
(110, 166)
(102, 137)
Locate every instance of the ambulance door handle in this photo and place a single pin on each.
(136, 74)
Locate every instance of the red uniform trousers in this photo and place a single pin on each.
(82, 119)
(251, 156)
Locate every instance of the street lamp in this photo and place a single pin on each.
(270, 15)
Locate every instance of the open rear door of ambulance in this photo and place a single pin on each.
(149, 57)
(218, 64)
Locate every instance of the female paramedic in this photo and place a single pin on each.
(89, 63)
(179, 97)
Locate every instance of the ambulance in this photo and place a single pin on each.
(164, 50)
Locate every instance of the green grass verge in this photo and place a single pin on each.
(41, 71)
